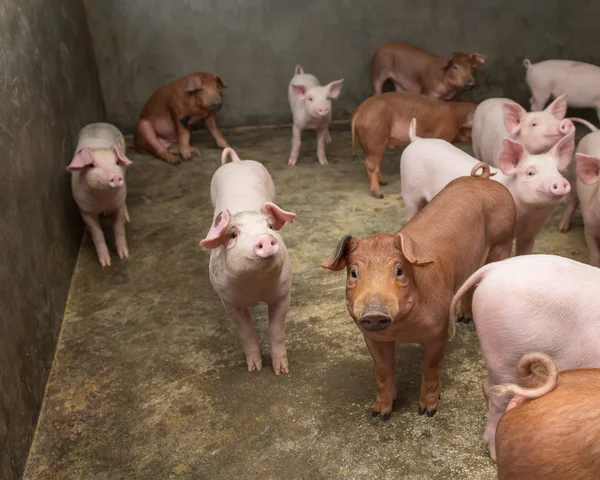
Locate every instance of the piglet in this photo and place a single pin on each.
(248, 260)
(579, 80)
(532, 303)
(551, 427)
(98, 184)
(499, 118)
(310, 103)
(587, 191)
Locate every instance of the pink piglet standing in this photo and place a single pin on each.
(249, 262)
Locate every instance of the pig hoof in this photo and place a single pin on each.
(383, 183)
(422, 410)
(431, 413)
(464, 319)
(292, 161)
(378, 196)
(385, 417)
(375, 413)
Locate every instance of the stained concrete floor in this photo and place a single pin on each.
(150, 381)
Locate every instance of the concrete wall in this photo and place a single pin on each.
(48, 91)
(254, 45)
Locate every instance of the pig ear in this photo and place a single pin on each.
(280, 217)
(121, 158)
(338, 259)
(216, 235)
(411, 250)
(476, 59)
(335, 88)
(194, 83)
(558, 107)
(513, 113)
(564, 149)
(220, 81)
(447, 61)
(82, 159)
(299, 91)
(510, 155)
(588, 168)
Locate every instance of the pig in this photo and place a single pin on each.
(98, 184)
(587, 191)
(551, 427)
(381, 122)
(249, 262)
(498, 118)
(579, 80)
(414, 70)
(532, 303)
(163, 128)
(399, 286)
(427, 165)
(310, 103)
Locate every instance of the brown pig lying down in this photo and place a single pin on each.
(399, 287)
(551, 427)
(381, 122)
(163, 129)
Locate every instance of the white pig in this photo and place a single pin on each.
(427, 165)
(579, 80)
(587, 167)
(311, 110)
(542, 303)
(498, 118)
(248, 260)
(98, 184)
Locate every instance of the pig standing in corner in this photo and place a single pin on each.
(98, 184)
(248, 260)
(551, 428)
(311, 110)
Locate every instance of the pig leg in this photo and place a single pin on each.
(174, 148)
(378, 83)
(97, 237)
(277, 314)
(572, 201)
(322, 133)
(431, 372)
(593, 248)
(524, 245)
(119, 231)
(328, 137)
(384, 355)
(496, 406)
(465, 311)
(243, 321)
(373, 165)
(296, 141)
(148, 136)
(211, 124)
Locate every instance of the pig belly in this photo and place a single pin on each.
(164, 128)
(582, 91)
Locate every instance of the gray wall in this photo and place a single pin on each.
(254, 45)
(48, 91)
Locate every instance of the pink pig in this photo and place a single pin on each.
(427, 165)
(311, 110)
(98, 184)
(587, 161)
(248, 260)
(543, 303)
(498, 118)
(580, 81)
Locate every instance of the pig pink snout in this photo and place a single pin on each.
(566, 126)
(322, 111)
(560, 187)
(115, 180)
(266, 246)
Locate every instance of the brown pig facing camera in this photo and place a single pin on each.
(163, 129)
(399, 287)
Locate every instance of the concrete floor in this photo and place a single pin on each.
(150, 378)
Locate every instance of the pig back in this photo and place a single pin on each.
(489, 130)
(100, 135)
(241, 186)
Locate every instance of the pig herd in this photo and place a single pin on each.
(537, 316)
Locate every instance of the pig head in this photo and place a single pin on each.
(457, 73)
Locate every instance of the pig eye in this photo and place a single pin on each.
(399, 271)
(530, 172)
(354, 273)
(233, 235)
(92, 165)
(310, 99)
(534, 124)
(455, 68)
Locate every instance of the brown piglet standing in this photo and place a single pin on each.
(415, 70)
(399, 287)
(163, 129)
(382, 122)
(551, 427)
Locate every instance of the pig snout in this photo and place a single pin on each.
(115, 180)
(322, 111)
(470, 85)
(215, 105)
(374, 318)
(565, 126)
(560, 187)
(266, 246)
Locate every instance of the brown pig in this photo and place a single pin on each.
(414, 70)
(163, 129)
(399, 287)
(381, 122)
(550, 431)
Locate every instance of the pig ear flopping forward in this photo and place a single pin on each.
(217, 235)
(513, 113)
(194, 83)
(280, 217)
(338, 259)
(121, 158)
(220, 81)
(411, 250)
(564, 149)
(588, 168)
(476, 59)
(558, 107)
(511, 153)
(82, 159)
